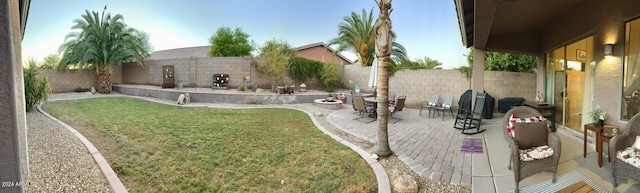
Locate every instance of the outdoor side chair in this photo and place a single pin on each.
(446, 105)
(361, 108)
(430, 104)
(398, 106)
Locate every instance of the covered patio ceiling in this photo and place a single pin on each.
(509, 25)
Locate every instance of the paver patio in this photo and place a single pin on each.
(431, 147)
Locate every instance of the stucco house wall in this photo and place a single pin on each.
(604, 20)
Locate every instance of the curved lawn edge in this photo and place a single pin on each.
(384, 184)
(107, 171)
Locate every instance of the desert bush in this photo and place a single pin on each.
(36, 86)
(330, 76)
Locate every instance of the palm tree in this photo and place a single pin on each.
(357, 34)
(383, 44)
(102, 42)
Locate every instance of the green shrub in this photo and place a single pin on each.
(36, 86)
(330, 76)
(302, 69)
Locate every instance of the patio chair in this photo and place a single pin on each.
(523, 165)
(623, 144)
(430, 104)
(398, 106)
(361, 108)
(468, 120)
(446, 105)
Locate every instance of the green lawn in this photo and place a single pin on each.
(161, 148)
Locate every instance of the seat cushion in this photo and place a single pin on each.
(513, 119)
(536, 153)
(630, 156)
(531, 134)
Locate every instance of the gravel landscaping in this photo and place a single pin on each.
(60, 163)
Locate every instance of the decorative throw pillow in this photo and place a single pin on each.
(531, 134)
(637, 143)
(512, 119)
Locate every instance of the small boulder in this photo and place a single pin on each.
(405, 184)
(187, 98)
(93, 90)
(181, 99)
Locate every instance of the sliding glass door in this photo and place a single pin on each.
(569, 82)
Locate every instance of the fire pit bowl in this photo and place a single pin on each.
(328, 104)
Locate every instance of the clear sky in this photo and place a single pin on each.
(427, 28)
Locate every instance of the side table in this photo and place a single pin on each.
(599, 139)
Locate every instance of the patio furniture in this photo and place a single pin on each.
(446, 105)
(361, 108)
(398, 106)
(467, 119)
(430, 104)
(522, 167)
(506, 103)
(621, 144)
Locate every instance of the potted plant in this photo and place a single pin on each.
(598, 116)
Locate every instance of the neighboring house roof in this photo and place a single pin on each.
(199, 51)
(323, 45)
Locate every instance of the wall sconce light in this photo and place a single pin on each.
(608, 50)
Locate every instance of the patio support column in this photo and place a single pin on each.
(540, 73)
(13, 134)
(477, 78)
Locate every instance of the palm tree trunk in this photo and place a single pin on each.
(383, 51)
(104, 78)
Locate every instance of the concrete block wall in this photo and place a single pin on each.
(133, 73)
(359, 74)
(419, 85)
(198, 72)
(510, 84)
(70, 80)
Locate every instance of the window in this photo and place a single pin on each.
(631, 71)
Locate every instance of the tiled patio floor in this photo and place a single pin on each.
(431, 147)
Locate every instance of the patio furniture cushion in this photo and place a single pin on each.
(636, 144)
(512, 119)
(536, 153)
(630, 156)
(531, 134)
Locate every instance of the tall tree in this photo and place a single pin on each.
(276, 55)
(383, 50)
(357, 34)
(429, 63)
(226, 42)
(102, 42)
(50, 62)
(499, 61)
